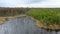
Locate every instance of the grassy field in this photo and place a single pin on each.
(46, 16)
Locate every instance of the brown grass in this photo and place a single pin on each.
(2, 21)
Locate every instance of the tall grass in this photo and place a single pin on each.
(46, 16)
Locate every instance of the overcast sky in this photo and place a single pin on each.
(30, 3)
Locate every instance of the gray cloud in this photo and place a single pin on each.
(29, 3)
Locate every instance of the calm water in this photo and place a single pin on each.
(22, 25)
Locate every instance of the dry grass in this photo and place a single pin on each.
(2, 21)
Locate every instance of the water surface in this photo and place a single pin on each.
(22, 25)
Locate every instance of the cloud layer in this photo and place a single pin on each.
(30, 3)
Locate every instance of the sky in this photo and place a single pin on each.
(30, 3)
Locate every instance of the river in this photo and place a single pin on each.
(23, 25)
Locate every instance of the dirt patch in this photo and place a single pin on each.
(2, 20)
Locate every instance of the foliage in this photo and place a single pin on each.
(47, 16)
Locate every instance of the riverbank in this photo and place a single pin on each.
(38, 22)
(13, 16)
(3, 19)
(46, 18)
(42, 25)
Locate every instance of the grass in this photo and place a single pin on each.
(46, 16)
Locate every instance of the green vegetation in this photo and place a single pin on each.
(46, 16)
